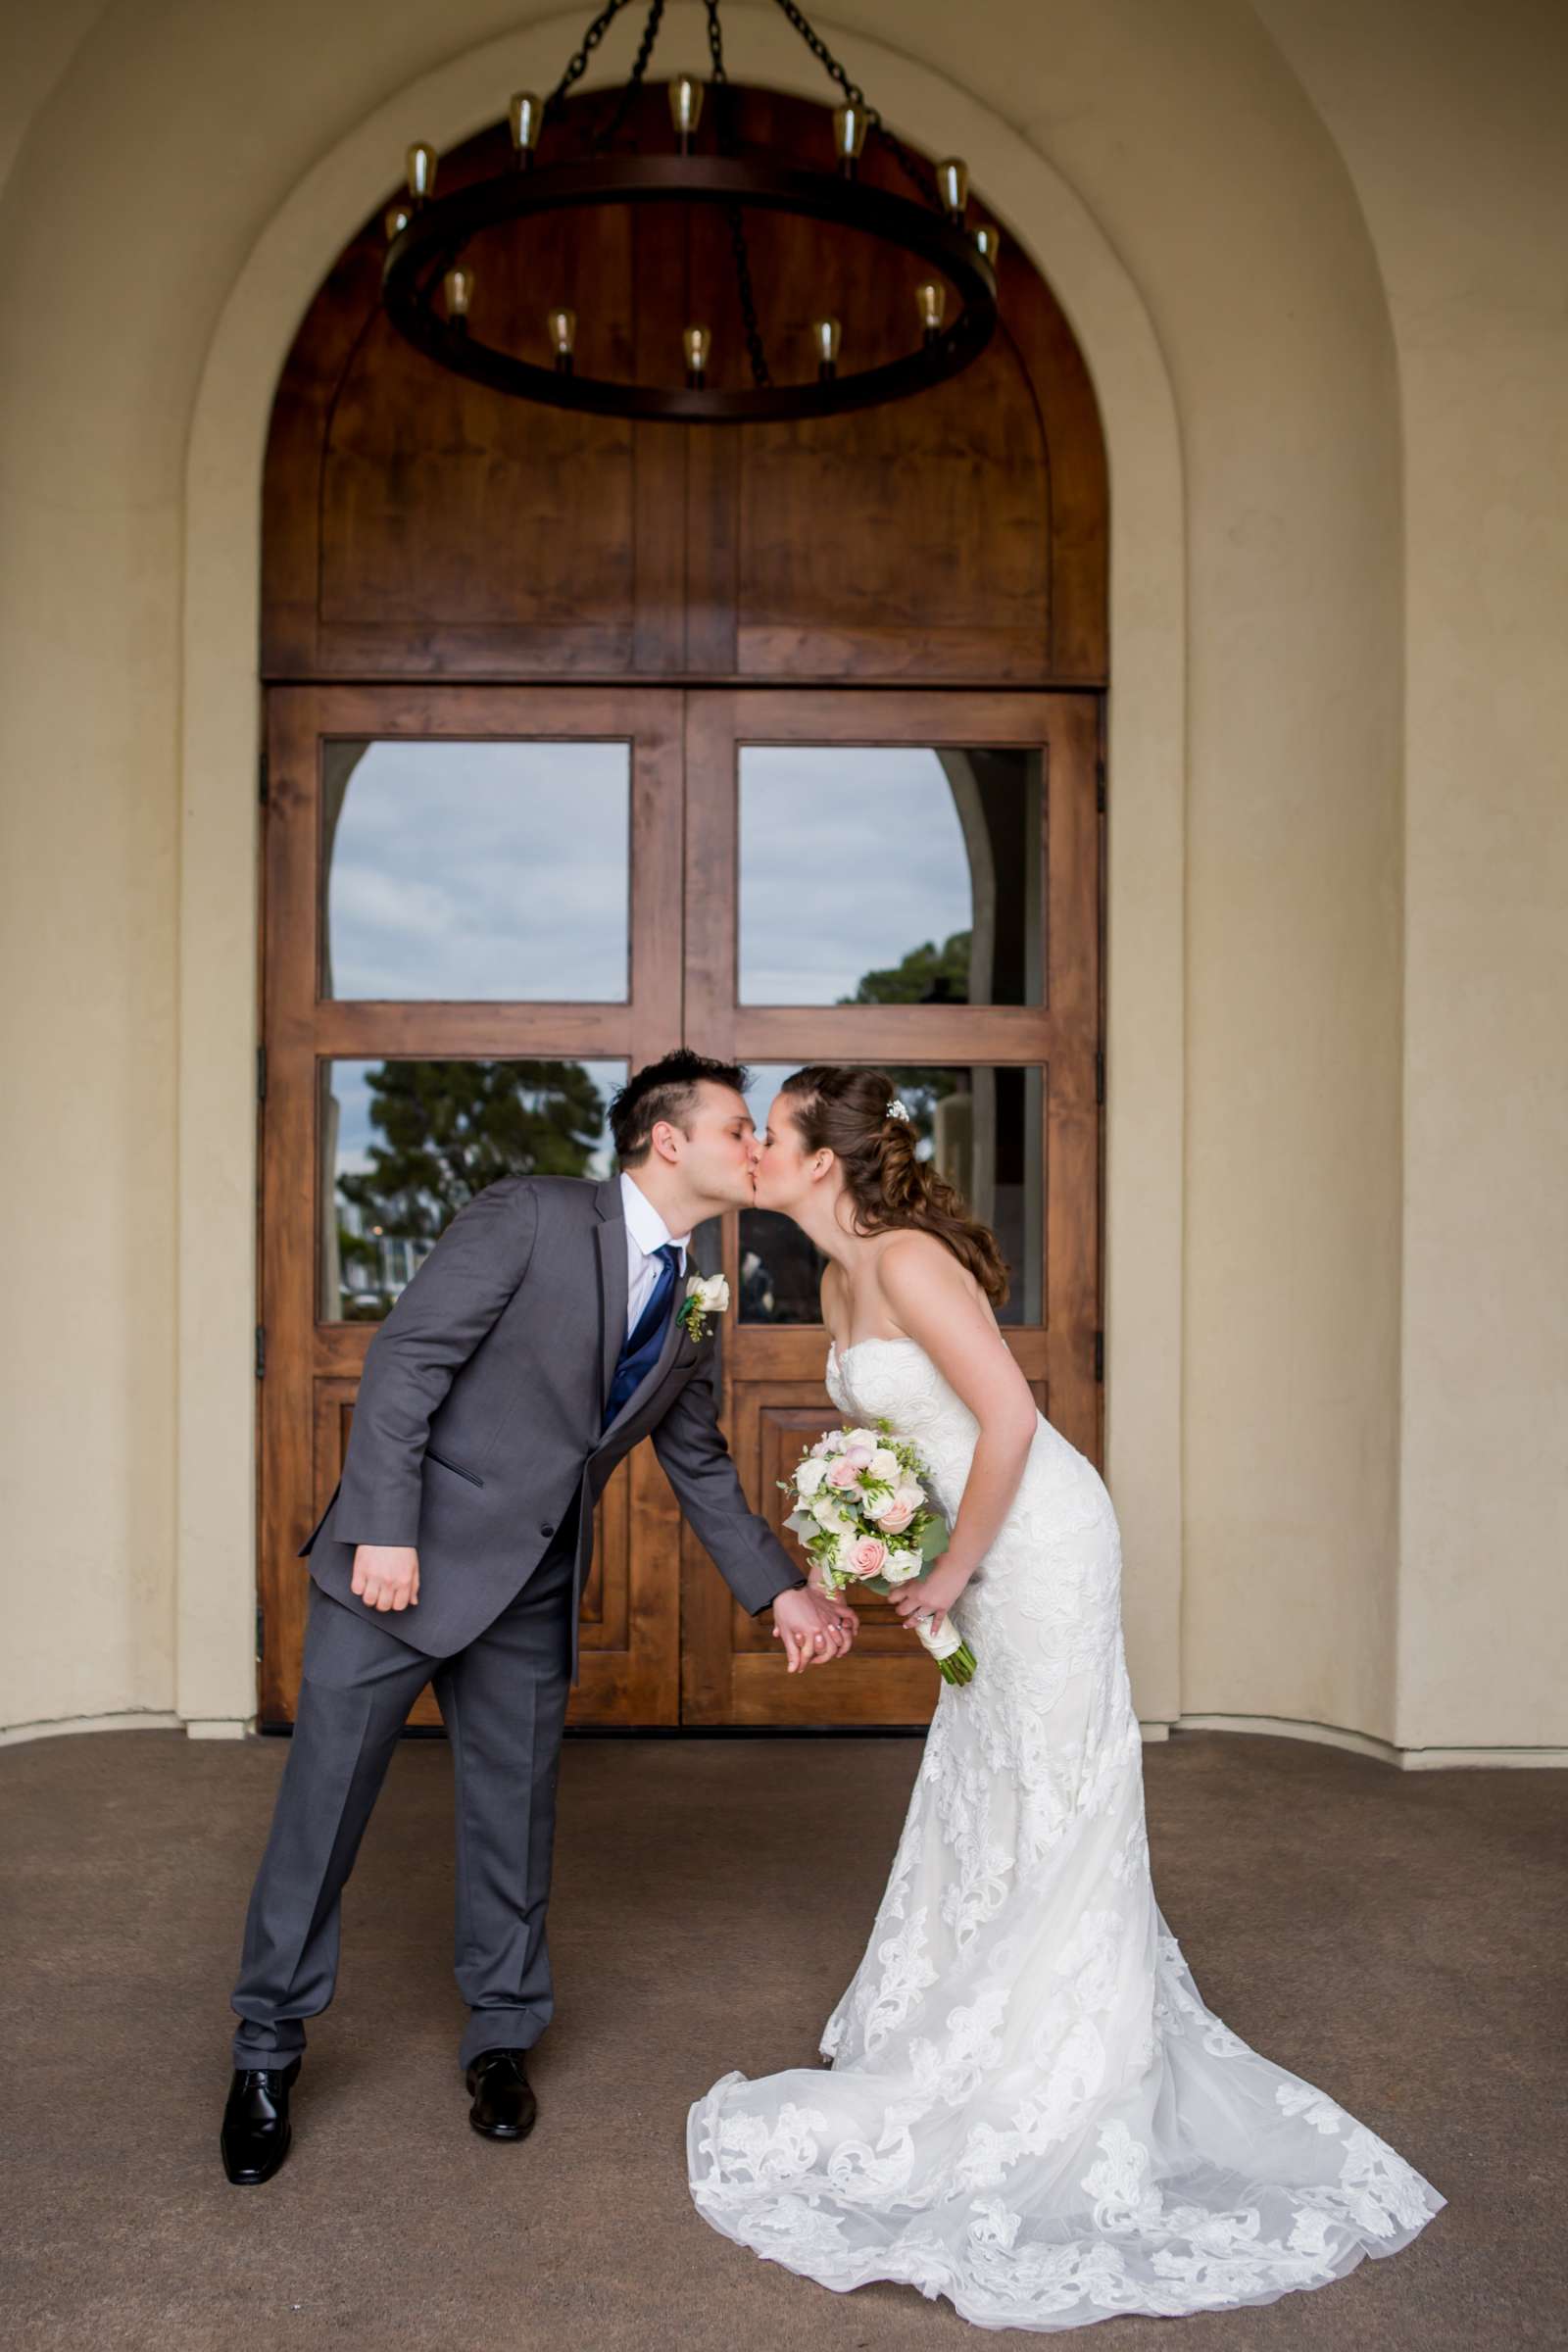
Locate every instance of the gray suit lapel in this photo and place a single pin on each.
(612, 1239)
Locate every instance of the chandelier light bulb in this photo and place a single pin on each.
(527, 115)
(395, 220)
(931, 299)
(561, 328)
(988, 243)
(696, 343)
(825, 335)
(421, 171)
(952, 185)
(459, 283)
(685, 107)
(849, 135)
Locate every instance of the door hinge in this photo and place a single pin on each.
(1099, 1077)
(263, 777)
(261, 1073)
(260, 1635)
(1099, 1355)
(261, 1350)
(1100, 785)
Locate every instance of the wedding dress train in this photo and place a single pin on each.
(1029, 2109)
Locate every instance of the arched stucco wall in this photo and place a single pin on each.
(1199, 228)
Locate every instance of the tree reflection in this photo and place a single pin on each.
(445, 1130)
(926, 975)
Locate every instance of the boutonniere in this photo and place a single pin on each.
(705, 1295)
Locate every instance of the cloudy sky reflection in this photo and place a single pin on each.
(850, 856)
(482, 870)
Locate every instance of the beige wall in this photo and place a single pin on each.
(1332, 372)
(1464, 183)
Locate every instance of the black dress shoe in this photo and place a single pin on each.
(256, 2131)
(504, 2105)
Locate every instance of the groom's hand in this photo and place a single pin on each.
(811, 1628)
(386, 1575)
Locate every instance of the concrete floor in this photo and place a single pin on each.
(1396, 1939)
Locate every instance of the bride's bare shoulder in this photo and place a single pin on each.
(913, 1267)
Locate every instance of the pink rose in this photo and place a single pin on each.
(843, 1473)
(867, 1557)
(861, 1456)
(896, 1517)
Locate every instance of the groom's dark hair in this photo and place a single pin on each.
(664, 1090)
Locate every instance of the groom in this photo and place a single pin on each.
(539, 1341)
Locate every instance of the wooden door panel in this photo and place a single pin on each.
(663, 1639)
(631, 1608)
(772, 1372)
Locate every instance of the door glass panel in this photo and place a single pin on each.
(476, 872)
(982, 1127)
(886, 874)
(405, 1144)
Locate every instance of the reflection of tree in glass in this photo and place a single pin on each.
(926, 975)
(453, 1127)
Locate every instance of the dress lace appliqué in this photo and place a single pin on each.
(1029, 2109)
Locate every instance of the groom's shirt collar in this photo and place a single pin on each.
(646, 1229)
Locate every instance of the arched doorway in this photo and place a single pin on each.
(558, 713)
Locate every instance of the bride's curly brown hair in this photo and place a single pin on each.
(845, 1111)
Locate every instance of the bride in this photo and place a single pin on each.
(1029, 2108)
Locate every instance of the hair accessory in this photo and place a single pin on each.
(897, 1109)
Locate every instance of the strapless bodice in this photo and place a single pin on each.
(896, 1380)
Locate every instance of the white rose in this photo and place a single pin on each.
(827, 1514)
(910, 1492)
(865, 1437)
(809, 1476)
(884, 1466)
(711, 1291)
(902, 1565)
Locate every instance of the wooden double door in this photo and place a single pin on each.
(485, 905)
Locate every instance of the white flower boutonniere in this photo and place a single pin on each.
(705, 1295)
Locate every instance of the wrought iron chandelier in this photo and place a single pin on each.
(429, 237)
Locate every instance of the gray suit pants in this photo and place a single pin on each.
(504, 1703)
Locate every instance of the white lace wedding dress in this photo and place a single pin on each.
(1029, 2108)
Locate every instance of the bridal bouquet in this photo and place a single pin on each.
(862, 1513)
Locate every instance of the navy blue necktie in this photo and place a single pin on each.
(640, 1351)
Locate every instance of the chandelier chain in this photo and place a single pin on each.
(578, 64)
(634, 81)
(762, 373)
(913, 167)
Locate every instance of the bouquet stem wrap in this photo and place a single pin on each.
(952, 1653)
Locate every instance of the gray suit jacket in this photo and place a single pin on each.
(479, 1409)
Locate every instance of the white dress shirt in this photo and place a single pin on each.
(646, 1232)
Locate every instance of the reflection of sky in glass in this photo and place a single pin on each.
(482, 870)
(850, 856)
(350, 1080)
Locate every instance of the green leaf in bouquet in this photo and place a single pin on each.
(934, 1540)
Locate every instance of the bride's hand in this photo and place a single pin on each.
(937, 1593)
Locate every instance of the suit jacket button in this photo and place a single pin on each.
(546, 1527)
